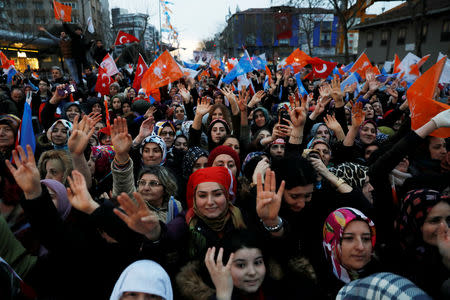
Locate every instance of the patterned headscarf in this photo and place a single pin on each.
(161, 124)
(316, 126)
(189, 159)
(102, 156)
(159, 141)
(333, 230)
(185, 127)
(63, 207)
(415, 208)
(353, 174)
(65, 123)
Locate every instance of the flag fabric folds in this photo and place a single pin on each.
(301, 88)
(361, 65)
(321, 68)
(26, 132)
(62, 12)
(109, 65)
(445, 76)
(421, 103)
(140, 70)
(162, 71)
(124, 38)
(103, 82)
(297, 59)
(243, 66)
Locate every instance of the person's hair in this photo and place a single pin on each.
(295, 171)
(62, 156)
(88, 68)
(57, 68)
(165, 176)
(44, 80)
(239, 239)
(228, 136)
(225, 112)
(16, 87)
(115, 85)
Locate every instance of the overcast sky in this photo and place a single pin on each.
(196, 20)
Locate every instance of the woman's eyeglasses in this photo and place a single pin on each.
(152, 183)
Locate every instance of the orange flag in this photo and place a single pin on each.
(215, 66)
(297, 59)
(62, 12)
(269, 74)
(396, 64)
(375, 70)
(162, 71)
(414, 70)
(361, 65)
(421, 103)
(204, 73)
(108, 121)
(5, 63)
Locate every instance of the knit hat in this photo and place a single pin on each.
(224, 150)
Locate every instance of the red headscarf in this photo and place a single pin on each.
(225, 150)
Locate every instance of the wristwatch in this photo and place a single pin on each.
(274, 228)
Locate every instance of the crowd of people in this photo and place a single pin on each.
(214, 192)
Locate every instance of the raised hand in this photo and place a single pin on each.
(257, 98)
(260, 169)
(185, 94)
(358, 114)
(297, 112)
(121, 139)
(78, 193)
(138, 216)
(336, 93)
(318, 165)
(320, 107)
(203, 106)
(332, 123)
(25, 172)
(81, 134)
(350, 88)
(325, 90)
(220, 274)
(268, 200)
(94, 118)
(146, 128)
(150, 112)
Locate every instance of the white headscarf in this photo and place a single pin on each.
(143, 276)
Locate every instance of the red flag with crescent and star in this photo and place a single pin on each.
(124, 38)
(62, 12)
(321, 68)
(103, 82)
(162, 71)
(140, 70)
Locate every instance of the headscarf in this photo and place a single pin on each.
(105, 131)
(12, 121)
(66, 124)
(316, 141)
(185, 127)
(224, 150)
(224, 178)
(316, 126)
(189, 159)
(278, 141)
(144, 276)
(63, 207)
(225, 124)
(333, 230)
(380, 286)
(353, 174)
(250, 156)
(67, 106)
(103, 157)
(159, 141)
(161, 124)
(265, 113)
(414, 210)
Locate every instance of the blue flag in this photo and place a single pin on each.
(26, 129)
(222, 66)
(348, 67)
(191, 65)
(259, 62)
(336, 71)
(11, 72)
(301, 88)
(152, 100)
(349, 81)
(244, 66)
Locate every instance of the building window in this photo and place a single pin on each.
(369, 41)
(38, 5)
(384, 38)
(445, 33)
(401, 36)
(71, 4)
(24, 20)
(325, 34)
(39, 20)
(20, 5)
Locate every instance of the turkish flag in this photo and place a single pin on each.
(420, 101)
(297, 59)
(321, 68)
(162, 71)
(283, 25)
(62, 12)
(5, 63)
(109, 65)
(103, 82)
(361, 65)
(140, 70)
(124, 38)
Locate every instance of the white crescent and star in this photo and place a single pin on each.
(324, 68)
(141, 70)
(109, 80)
(122, 42)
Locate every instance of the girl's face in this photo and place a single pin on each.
(116, 104)
(179, 113)
(200, 163)
(151, 189)
(325, 153)
(181, 144)
(263, 134)
(218, 132)
(210, 199)
(96, 108)
(440, 213)
(437, 148)
(323, 132)
(377, 108)
(131, 94)
(59, 134)
(248, 269)
(126, 108)
(297, 197)
(259, 118)
(43, 87)
(217, 114)
(54, 170)
(225, 160)
(277, 150)
(72, 112)
(368, 109)
(356, 245)
(151, 154)
(233, 143)
(368, 133)
(168, 135)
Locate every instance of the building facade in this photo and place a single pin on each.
(277, 31)
(21, 39)
(394, 32)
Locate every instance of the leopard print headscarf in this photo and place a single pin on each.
(353, 174)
